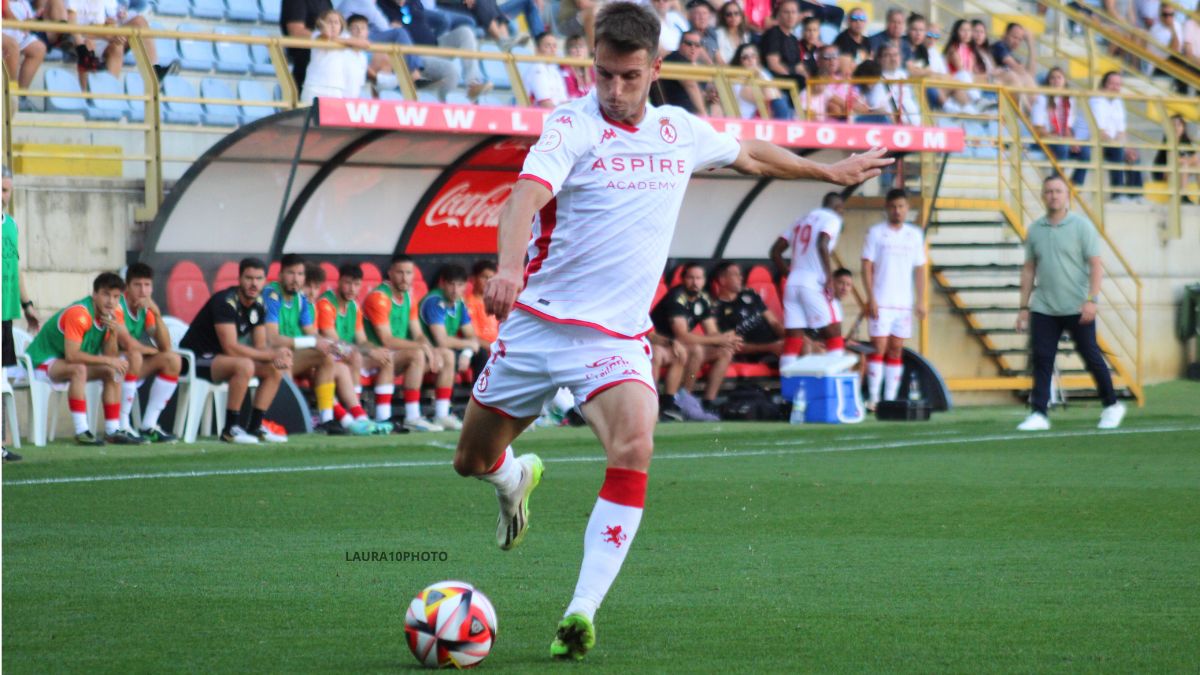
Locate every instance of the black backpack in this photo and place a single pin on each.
(749, 403)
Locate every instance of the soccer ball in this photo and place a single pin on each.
(450, 623)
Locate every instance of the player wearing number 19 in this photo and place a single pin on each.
(583, 302)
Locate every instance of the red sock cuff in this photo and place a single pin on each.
(837, 342)
(894, 362)
(793, 346)
(77, 405)
(174, 379)
(357, 411)
(338, 411)
(625, 487)
(130, 377)
(112, 411)
(875, 358)
(412, 396)
(499, 463)
(443, 393)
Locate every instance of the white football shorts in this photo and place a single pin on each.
(891, 321)
(809, 307)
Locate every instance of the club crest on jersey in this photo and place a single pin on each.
(608, 133)
(667, 130)
(613, 535)
(549, 141)
(254, 315)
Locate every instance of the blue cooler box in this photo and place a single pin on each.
(829, 399)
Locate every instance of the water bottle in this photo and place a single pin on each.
(799, 405)
(914, 389)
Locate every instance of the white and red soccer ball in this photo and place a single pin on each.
(450, 624)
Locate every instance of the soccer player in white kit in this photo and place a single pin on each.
(600, 194)
(809, 300)
(893, 256)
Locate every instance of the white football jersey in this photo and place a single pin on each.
(895, 253)
(802, 237)
(599, 247)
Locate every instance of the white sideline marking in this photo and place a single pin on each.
(732, 454)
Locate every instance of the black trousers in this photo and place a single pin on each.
(8, 347)
(1044, 332)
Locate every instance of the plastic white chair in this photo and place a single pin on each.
(199, 402)
(45, 398)
(6, 391)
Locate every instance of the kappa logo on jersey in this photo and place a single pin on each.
(608, 133)
(613, 535)
(667, 130)
(564, 119)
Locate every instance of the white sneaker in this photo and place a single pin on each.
(268, 436)
(1111, 416)
(449, 422)
(421, 424)
(1035, 422)
(238, 435)
(514, 515)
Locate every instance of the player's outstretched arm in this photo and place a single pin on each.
(516, 224)
(760, 158)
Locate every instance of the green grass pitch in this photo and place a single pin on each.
(952, 546)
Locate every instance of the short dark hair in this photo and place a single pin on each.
(399, 258)
(251, 264)
(357, 17)
(1107, 76)
(291, 259)
(721, 267)
(893, 12)
(842, 272)
(779, 5)
(451, 273)
(350, 271)
(1009, 28)
(627, 27)
(687, 266)
(107, 281)
(139, 270)
(894, 194)
(1054, 176)
(811, 20)
(914, 17)
(482, 266)
(537, 39)
(573, 38)
(830, 199)
(313, 273)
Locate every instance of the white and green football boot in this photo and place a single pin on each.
(514, 515)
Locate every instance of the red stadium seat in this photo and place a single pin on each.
(371, 280)
(676, 277)
(659, 293)
(419, 290)
(186, 290)
(760, 281)
(226, 276)
(273, 272)
(331, 276)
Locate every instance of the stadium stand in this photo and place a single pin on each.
(187, 291)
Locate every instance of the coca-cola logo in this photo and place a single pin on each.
(461, 206)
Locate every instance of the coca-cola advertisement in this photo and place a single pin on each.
(464, 215)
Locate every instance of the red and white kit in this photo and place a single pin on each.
(894, 253)
(806, 304)
(598, 248)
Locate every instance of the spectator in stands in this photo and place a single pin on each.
(732, 32)
(1191, 40)
(1167, 33)
(23, 52)
(1011, 71)
(700, 15)
(984, 64)
(780, 51)
(960, 51)
(416, 19)
(544, 81)
(335, 73)
(1189, 161)
(810, 45)
(229, 337)
(828, 13)
(924, 59)
(340, 319)
(827, 98)
(675, 317)
(1053, 116)
(901, 99)
(530, 9)
(146, 344)
(89, 50)
(686, 94)
(893, 33)
(79, 344)
(759, 14)
(746, 57)
(298, 18)
(12, 289)
(868, 100)
(488, 16)
(852, 43)
(579, 79)
(672, 25)
(391, 322)
(579, 16)
(378, 30)
(447, 325)
(487, 327)
(1109, 113)
(742, 311)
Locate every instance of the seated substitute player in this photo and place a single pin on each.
(572, 209)
(229, 337)
(447, 325)
(808, 296)
(348, 371)
(742, 311)
(485, 323)
(893, 256)
(143, 322)
(78, 344)
(391, 322)
(675, 317)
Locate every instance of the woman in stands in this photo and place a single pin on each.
(960, 51)
(1189, 161)
(732, 32)
(579, 79)
(746, 56)
(984, 65)
(1053, 116)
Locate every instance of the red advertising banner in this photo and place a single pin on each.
(470, 119)
(464, 215)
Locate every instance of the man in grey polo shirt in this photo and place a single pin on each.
(1062, 251)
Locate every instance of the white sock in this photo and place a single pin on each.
(891, 380)
(787, 360)
(129, 389)
(441, 407)
(610, 531)
(505, 477)
(358, 390)
(112, 426)
(326, 415)
(81, 422)
(346, 420)
(836, 352)
(383, 411)
(874, 379)
(160, 393)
